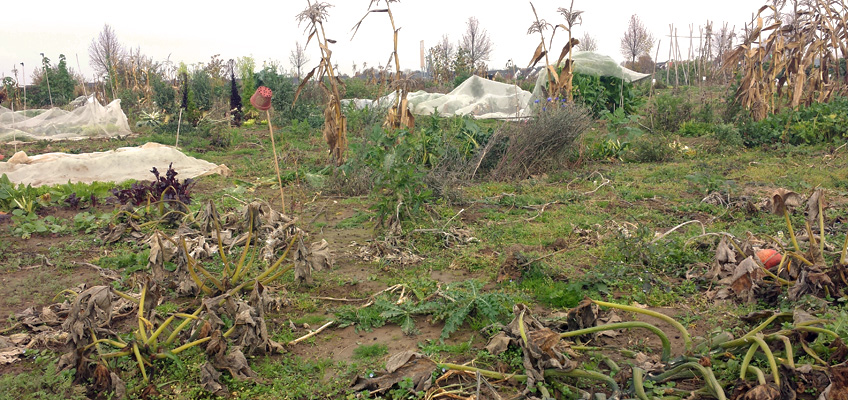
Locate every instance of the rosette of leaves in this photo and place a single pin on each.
(236, 275)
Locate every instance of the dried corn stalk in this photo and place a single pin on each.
(398, 115)
(789, 59)
(335, 123)
(559, 82)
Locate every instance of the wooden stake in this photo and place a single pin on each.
(276, 162)
(179, 122)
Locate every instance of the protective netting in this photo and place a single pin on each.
(591, 63)
(483, 98)
(594, 64)
(477, 97)
(89, 119)
(117, 165)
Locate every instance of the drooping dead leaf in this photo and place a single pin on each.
(585, 315)
(119, 387)
(236, 363)
(762, 392)
(302, 266)
(744, 280)
(814, 203)
(499, 343)
(209, 380)
(724, 254)
(209, 219)
(838, 389)
(321, 258)
(812, 281)
(538, 344)
(91, 310)
(782, 199)
(10, 352)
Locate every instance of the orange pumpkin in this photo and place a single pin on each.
(769, 257)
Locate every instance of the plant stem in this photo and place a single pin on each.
(276, 162)
(140, 362)
(687, 340)
(791, 231)
(182, 325)
(666, 343)
(638, 386)
(187, 346)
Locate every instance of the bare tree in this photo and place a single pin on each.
(440, 60)
(298, 59)
(476, 42)
(105, 54)
(588, 43)
(446, 48)
(722, 42)
(637, 40)
(105, 51)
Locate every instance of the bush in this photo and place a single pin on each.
(359, 121)
(813, 124)
(542, 143)
(163, 94)
(604, 93)
(650, 149)
(670, 110)
(283, 87)
(358, 88)
(725, 134)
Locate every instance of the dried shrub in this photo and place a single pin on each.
(541, 143)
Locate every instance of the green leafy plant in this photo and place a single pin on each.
(26, 224)
(367, 351)
(23, 197)
(610, 149)
(88, 222)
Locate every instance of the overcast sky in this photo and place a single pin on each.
(193, 31)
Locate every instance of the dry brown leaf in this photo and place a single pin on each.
(814, 203)
(414, 366)
(209, 380)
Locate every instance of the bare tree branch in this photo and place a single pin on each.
(105, 52)
(637, 40)
(298, 59)
(588, 42)
(476, 42)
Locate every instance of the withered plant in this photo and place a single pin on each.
(790, 59)
(335, 122)
(559, 82)
(399, 115)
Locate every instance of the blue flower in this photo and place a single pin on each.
(549, 99)
(537, 101)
